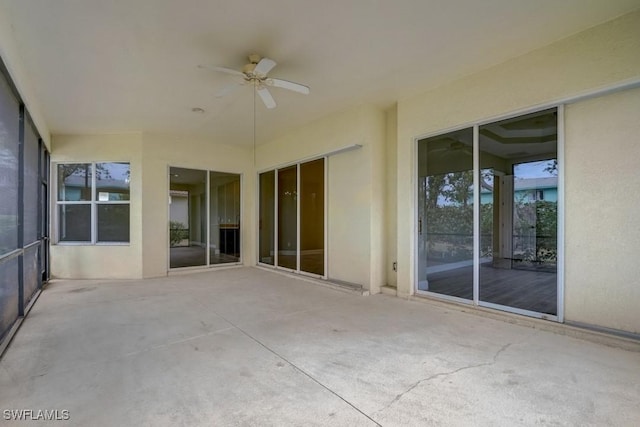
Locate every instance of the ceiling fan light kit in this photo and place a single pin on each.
(256, 73)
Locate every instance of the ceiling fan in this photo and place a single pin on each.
(256, 73)
(453, 146)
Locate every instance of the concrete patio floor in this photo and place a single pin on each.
(244, 346)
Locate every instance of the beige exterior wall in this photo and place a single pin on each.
(100, 261)
(150, 157)
(356, 187)
(371, 209)
(159, 152)
(391, 163)
(598, 58)
(602, 275)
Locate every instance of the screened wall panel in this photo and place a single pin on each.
(23, 206)
(9, 294)
(31, 185)
(30, 275)
(9, 127)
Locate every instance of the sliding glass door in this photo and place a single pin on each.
(287, 217)
(519, 215)
(292, 218)
(266, 225)
(445, 221)
(312, 217)
(502, 254)
(204, 218)
(224, 217)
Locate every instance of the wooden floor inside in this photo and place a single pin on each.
(532, 290)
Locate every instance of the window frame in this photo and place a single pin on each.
(93, 203)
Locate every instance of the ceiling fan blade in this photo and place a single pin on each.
(285, 84)
(264, 66)
(266, 97)
(223, 70)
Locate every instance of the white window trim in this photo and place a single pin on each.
(93, 206)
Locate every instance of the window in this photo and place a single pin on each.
(93, 202)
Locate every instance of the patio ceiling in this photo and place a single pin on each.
(121, 66)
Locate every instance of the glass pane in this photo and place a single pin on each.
(9, 297)
(112, 181)
(187, 218)
(74, 223)
(445, 221)
(266, 224)
(113, 223)
(74, 182)
(287, 217)
(224, 213)
(31, 185)
(518, 215)
(9, 125)
(30, 273)
(312, 217)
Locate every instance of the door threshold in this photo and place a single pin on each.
(337, 285)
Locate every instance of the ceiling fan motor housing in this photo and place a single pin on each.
(249, 68)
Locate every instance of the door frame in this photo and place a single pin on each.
(560, 296)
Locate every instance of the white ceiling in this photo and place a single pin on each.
(131, 65)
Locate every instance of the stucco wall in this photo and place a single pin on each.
(159, 152)
(602, 279)
(100, 261)
(355, 187)
(603, 56)
(391, 163)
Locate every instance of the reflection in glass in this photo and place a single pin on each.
(312, 217)
(112, 181)
(445, 222)
(74, 182)
(266, 220)
(113, 222)
(224, 211)
(518, 215)
(187, 217)
(287, 217)
(74, 223)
